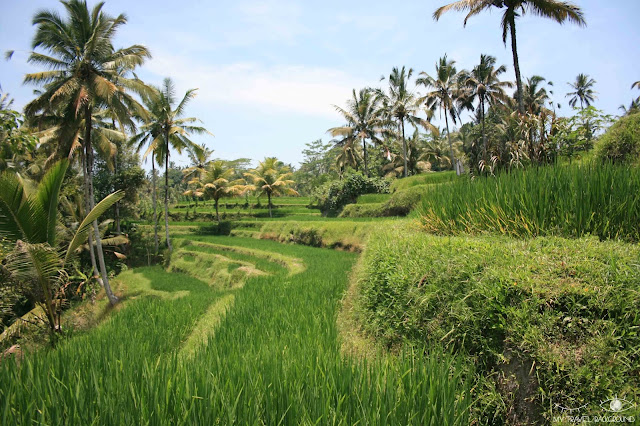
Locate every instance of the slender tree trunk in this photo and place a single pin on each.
(87, 207)
(446, 120)
(364, 148)
(89, 157)
(269, 198)
(484, 134)
(117, 206)
(115, 173)
(166, 192)
(516, 64)
(155, 202)
(217, 214)
(404, 149)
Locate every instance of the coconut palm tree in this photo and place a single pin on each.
(415, 162)
(216, 183)
(165, 129)
(363, 118)
(83, 75)
(446, 94)
(348, 155)
(402, 105)
(484, 84)
(30, 220)
(535, 95)
(582, 91)
(200, 158)
(272, 178)
(559, 11)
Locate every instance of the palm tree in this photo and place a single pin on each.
(435, 152)
(363, 120)
(348, 155)
(83, 75)
(272, 178)
(148, 137)
(583, 91)
(216, 183)
(415, 161)
(446, 93)
(30, 220)
(484, 84)
(535, 95)
(560, 11)
(402, 105)
(200, 158)
(636, 84)
(166, 129)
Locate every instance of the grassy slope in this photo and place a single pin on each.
(563, 312)
(274, 358)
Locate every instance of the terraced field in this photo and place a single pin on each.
(236, 331)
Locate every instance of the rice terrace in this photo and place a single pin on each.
(275, 212)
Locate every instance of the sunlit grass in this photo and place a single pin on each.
(274, 358)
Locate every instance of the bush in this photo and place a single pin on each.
(333, 196)
(621, 143)
(221, 228)
(602, 200)
(555, 319)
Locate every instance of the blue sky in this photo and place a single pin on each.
(269, 71)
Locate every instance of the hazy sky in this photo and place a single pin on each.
(269, 71)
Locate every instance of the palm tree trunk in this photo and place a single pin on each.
(484, 135)
(117, 205)
(87, 207)
(364, 148)
(166, 192)
(89, 156)
(217, 214)
(404, 149)
(269, 198)
(516, 63)
(155, 202)
(446, 120)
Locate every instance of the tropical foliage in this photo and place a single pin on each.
(30, 221)
(271, 178)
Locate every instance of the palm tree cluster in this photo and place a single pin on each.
(90, 105)
(502, 138)
(510, 131)
(216, 180)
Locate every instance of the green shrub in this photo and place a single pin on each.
(602, 200)
(559, 314)
(333, 196)
(621, 143)
(221, 228)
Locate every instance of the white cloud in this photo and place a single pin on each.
(296, 89)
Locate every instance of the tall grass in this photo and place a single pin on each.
(597, 199)
(274, 359)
